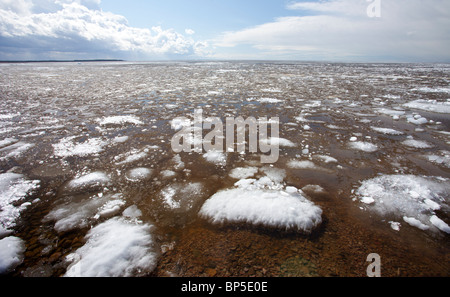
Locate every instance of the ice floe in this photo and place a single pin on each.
(115, 248)
(15, 150)
(179, 123)
(442, 159)
(316, 189)
(394, 113)
(168, 173)
(413, 198)
(416, 223)
(277, 141)
(181, 196)
(440, 224)
(140, 173)
(269, 100)
(120, 139)
(419, 144)
(7, 142)
(80, 214)
(11, 253)
(216, 157)
(68, 147)
(363, 146)
(243, 172)
(325, 158)
(88, 181)
(387, 131)
(395, 225)
(120, 120)
(131, 157)
(432, 90)
(178, 163)
(430, 105)
(416, 119)
(13, 189)
(304, 164)
(132, 212)
(264, 201)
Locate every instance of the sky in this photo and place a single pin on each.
(304, 30)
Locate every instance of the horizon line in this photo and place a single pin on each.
(210, 60)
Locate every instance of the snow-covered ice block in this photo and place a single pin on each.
(138, 174)
(120, 120)
(115, 248)
(325, 158)
(429, 105)
(270, 208)
(263, 202)
(420, 144)
(181, 197)
(243, 172)
(416, 223)
(440, 224)
(7, 142)
(11, 253)
(120, 139)
(80, 214)
(90, 180)
(67, 147)
(417, 120)
(16, 150)
(132, 212)
(13, 188)
(413, 198)
(363, 146)
(387, 131)
(216, 157)
(269, 100)
(277, 141)
(180, 123)
(130, 157)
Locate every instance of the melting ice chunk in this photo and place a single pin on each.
(74, 215)
(363, 146)
(66, 147)
(13, 188)
(417, 143)
(243, 172)
(140, 173)
(115, 248)
(90, 180)
(413, 198)
(216, 157)
(120, 120)
(263, 202)
(11, 253)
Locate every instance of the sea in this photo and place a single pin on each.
(91, 184)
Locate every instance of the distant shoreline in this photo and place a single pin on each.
(62, 61)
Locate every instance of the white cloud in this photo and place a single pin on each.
(409, 30)
(21, 7)
(63, 28)
(344, 7)
(189, 31)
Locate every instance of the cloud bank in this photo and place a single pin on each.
(60, 29)
(408, 30)
(323, 30)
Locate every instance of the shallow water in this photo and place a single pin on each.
(60, 121)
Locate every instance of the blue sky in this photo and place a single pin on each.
(325, 30)
(206, 17)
